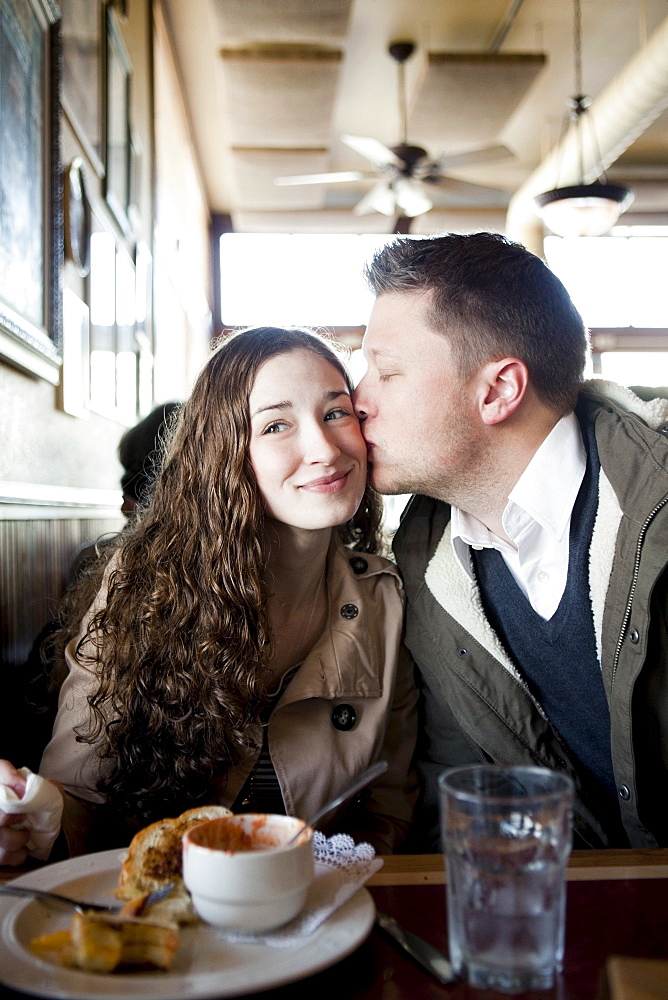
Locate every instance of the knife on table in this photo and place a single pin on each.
(429, 958)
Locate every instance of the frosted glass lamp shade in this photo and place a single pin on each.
(583, 209)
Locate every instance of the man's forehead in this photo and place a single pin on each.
(397, 312)
(394, 334)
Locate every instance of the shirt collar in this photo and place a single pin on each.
(544, 494)
(548, 487)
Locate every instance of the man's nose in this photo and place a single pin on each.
(359, 401)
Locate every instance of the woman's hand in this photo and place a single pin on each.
(12, 841)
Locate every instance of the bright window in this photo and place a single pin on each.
(295, 279)
(615, 281)
(619, 284)
(643, 368)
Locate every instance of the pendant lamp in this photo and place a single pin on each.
(582, 209)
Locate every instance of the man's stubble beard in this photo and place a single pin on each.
(462, 476)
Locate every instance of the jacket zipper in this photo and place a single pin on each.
(634, 581)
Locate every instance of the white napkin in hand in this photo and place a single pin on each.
(43, 805)
(341, 868)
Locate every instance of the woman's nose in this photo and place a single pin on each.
(321, 447)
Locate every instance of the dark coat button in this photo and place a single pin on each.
(634, 636)
(349, 611)
(344, 717)
(624, 793)
(359, 565)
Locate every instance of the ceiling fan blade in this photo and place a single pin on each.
(379, 199)
(373, 150)
(333, 178)
(487, 154)
(467, 193)
(410, 197)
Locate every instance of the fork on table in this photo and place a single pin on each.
(56, 901)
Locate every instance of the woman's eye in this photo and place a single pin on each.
(337, 413)
(275, 428)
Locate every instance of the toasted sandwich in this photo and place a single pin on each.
(154, 860)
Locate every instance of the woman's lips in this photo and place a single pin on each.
(328, 484)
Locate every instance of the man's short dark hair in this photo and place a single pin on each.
(492, 298)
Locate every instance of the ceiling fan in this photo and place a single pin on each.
(403, 172)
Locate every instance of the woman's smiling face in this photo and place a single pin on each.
(306, 448)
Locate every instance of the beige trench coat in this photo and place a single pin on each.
(358, 662)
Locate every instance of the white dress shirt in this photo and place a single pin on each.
(537, 519)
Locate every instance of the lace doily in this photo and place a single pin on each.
(341, 868)
(341, 851)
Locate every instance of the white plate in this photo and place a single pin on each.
(205, 964)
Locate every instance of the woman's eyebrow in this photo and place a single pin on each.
(285, 404)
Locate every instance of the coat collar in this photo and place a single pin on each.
(459, 596)
(654, 412)
(348, 659)
(633, 456)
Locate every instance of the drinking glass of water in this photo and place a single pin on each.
(506, 835)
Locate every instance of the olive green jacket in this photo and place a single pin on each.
(476, 706)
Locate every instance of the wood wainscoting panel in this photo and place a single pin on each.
(36, 557)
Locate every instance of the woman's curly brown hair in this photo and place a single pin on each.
(181, 644)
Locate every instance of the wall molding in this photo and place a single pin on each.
(28, 501)
(29, 355)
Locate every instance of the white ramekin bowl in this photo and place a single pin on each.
(240, 873)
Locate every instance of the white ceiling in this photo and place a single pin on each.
(272, 85)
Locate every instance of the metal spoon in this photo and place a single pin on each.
(55, 901)
(363, 778)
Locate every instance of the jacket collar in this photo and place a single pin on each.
(654, 412)
(633, 456)
(459, 596)
(348, 659)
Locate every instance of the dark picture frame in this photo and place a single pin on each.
(76, 216)
(117, 130)
(82, 29)
(31, 236)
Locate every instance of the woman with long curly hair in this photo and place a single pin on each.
(244, 643)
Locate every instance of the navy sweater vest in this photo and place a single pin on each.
(558, 658)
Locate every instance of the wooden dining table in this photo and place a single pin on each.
(617, 905)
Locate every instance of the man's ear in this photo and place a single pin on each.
(502, 389)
